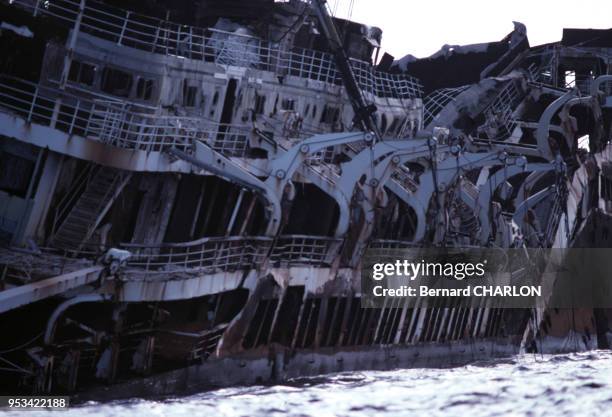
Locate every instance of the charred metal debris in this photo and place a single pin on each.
(186, 190)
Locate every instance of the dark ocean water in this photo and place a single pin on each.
(558, 385)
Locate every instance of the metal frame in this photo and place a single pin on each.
(213, 45)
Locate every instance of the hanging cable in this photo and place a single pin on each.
(335, 8)
(350, 10)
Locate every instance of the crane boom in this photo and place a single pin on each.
(364, 112)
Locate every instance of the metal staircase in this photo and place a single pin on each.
(81, 211)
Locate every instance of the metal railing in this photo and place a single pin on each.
(300, 249)
(542, 73)
(117, 123)
(383, 84)
(210, 254)
(118, 126)
(207, 342)
(437, 100)
(224, 48)
(500, 122)
(213, 254)
(232, 253)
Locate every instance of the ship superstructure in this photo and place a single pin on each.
(185, 200)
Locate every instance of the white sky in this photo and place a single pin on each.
(421, 27)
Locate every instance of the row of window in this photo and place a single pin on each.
(120, 83)
(112, 81)
(330, 115)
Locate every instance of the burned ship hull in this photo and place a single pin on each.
(186, 203)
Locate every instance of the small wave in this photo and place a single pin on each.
(525, 385)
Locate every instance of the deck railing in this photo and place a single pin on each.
(232, 253)
(301, 249)
(211, 254)
(213, 45)
(118, 123)
(502, 109)
(437, 100)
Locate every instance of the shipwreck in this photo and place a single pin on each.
(187, 190)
